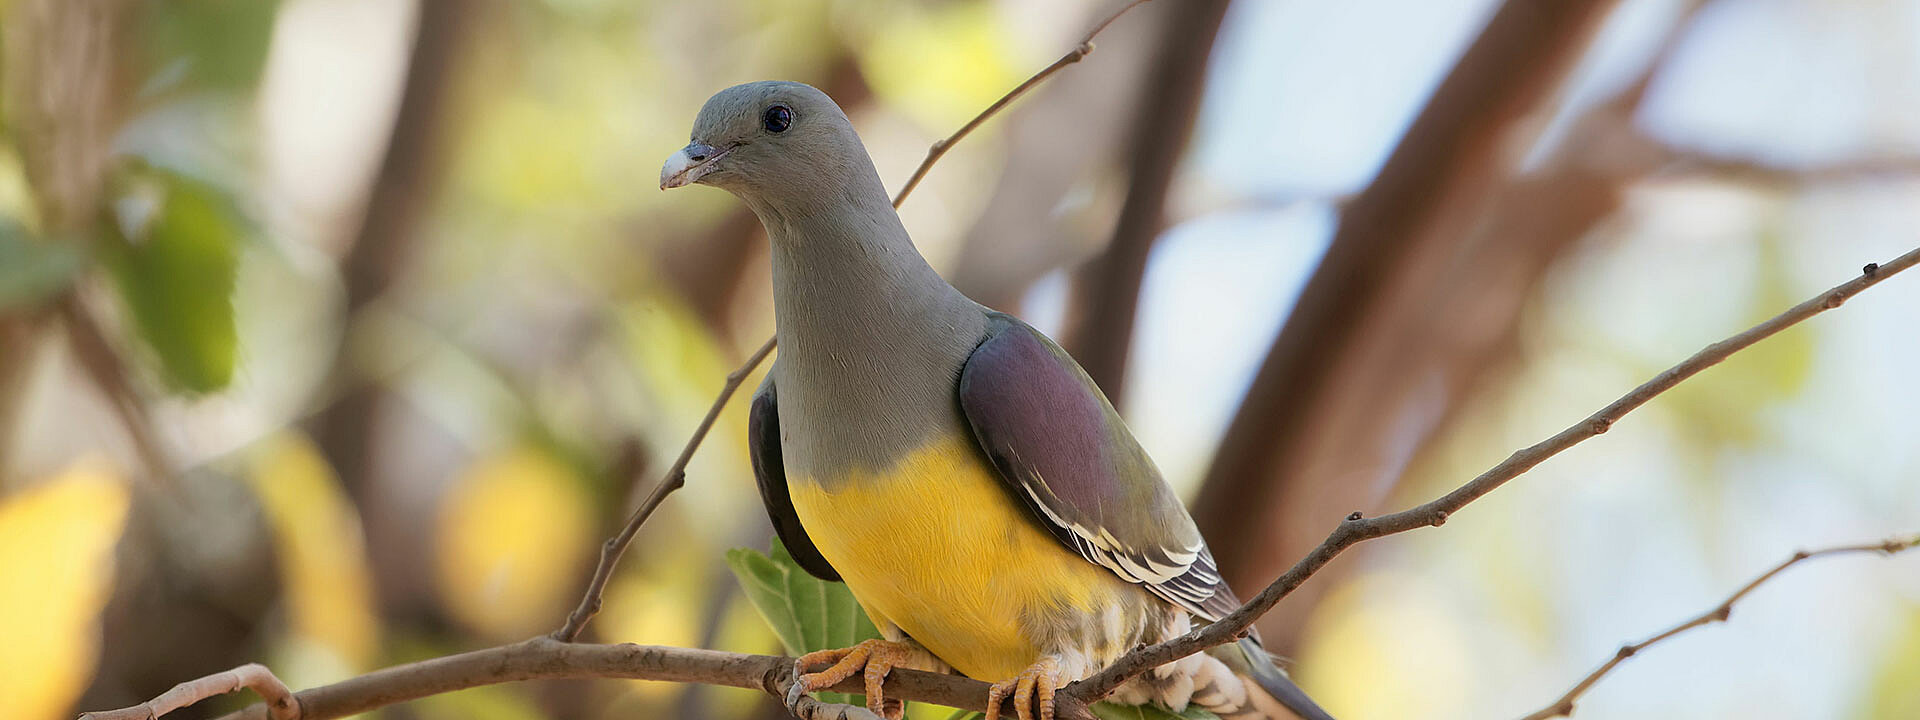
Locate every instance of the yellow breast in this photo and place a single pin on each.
(938, 546)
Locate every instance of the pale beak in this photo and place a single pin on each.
(687, 166)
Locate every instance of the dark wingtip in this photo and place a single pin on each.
(1277, 684)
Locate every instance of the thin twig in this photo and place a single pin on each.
(280, 703)
(941, 146)
(1356, 529)
(545, 658)
(611, 551)
(1564, 705)
(676, 476)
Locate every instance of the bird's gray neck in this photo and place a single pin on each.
(870, 336)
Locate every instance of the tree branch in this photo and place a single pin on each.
(675, 478)
(280, 704)
(1564, 705)
(1356, 529)
(545, 658)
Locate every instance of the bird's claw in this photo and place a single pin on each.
(1033, 692)
(797, 689)
(873, 658)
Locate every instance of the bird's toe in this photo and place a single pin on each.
(1033, 692)
(872, 658)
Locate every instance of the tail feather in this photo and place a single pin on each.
(1247, 685)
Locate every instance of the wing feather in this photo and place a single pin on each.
(1065, 452)
(770, 473)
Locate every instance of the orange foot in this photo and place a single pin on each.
(1032, 692)
(877, 657)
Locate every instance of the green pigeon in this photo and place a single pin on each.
(971, 485)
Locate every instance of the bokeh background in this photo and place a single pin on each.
(336, 333)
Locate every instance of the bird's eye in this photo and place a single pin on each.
(777, 119)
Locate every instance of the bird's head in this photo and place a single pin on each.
(764, 140)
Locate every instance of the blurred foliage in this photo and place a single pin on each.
(1896, 690)
(1356, 661)
(32, 270)
(501, 526)
(317, 537)
(217, 45)
(942, 62)
(56, 571)
(1727, 405)
(173, 247)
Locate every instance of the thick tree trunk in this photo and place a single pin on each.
(1406, 306)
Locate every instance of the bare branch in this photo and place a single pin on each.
(676, 477)
(545, 658)
(280, 704)
(1356, 529)
(1564, 705)
(940, 147)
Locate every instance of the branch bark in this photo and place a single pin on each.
(1564, 705)
(1109, 287)
(280, 704)
(546, 658)
(1356, 529)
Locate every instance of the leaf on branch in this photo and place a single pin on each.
(173, 245)
(806, 612)
(32, 270)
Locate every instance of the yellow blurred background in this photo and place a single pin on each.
(338, 333)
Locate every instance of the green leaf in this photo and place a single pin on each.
(807, 613)
(175, 261)
(1112, 711)
(207, 44)
(32, 270)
